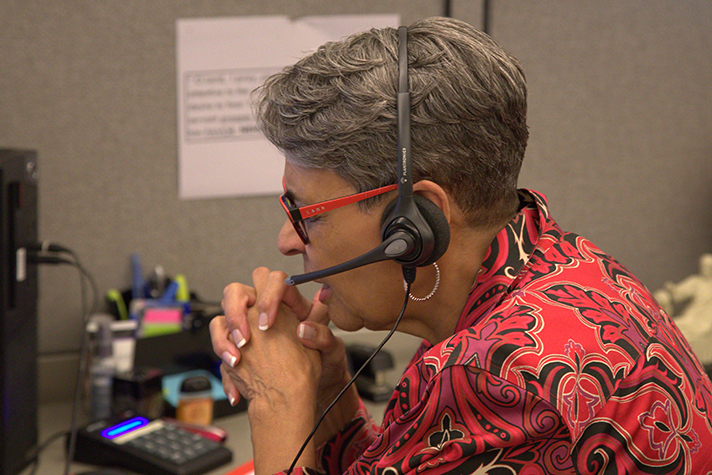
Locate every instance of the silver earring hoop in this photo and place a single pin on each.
(432, 292)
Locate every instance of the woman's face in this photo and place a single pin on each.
(369, 296)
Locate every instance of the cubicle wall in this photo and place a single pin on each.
(620, 119)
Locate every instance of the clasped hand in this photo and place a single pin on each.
(293, 341)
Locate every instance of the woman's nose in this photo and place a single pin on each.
(288, 241)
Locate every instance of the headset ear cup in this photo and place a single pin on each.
(434, 218)
(438, 224)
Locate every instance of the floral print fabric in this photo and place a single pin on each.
(561, 363)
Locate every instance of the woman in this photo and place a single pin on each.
(497, 386)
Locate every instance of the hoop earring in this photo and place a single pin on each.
(432, 292)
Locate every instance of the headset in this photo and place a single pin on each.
(414, 231)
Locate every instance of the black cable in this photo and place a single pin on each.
(50, 253)
(409, 277)
(35, 457)
(41, 256)
(74, 426)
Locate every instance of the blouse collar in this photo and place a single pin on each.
(507, 256)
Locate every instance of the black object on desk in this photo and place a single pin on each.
(156, 447)
(139, 391)
(371, 383)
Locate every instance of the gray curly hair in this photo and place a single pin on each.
(336, 109)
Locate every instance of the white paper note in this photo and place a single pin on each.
(219, 62)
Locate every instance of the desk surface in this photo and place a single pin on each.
(56, 417)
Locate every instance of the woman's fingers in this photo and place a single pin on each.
(333, 352)
(233, 395)
(223, 344)
(318, 312)
(272, 292)
(237, 298)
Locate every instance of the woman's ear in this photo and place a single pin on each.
(435, 193)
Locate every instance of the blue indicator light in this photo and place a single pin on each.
(124, 427)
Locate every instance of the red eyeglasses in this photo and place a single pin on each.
(298, 215)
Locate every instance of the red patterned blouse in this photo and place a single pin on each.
(562, 362)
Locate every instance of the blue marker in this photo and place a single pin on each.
(169, 296)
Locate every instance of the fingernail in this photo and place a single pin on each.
(239, 339)
(233, 400)
(229, 359)
(263, 321)
(306, 332)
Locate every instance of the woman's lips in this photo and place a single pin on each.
(324, 293)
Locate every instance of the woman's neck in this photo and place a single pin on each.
(436, 318)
